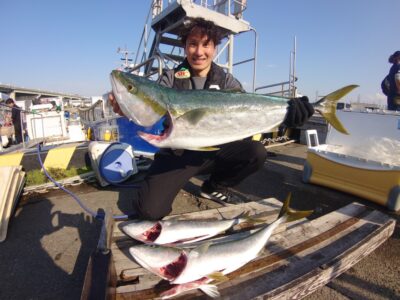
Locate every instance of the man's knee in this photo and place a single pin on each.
(258, 153)
(151, 206)
(151, 211)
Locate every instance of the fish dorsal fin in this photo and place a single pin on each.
(218, 276)
(233, 90)
(194, 116)
(199, 250)
(210, 290)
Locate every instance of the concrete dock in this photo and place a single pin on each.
(50, 238)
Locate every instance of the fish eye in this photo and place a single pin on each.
(131, 88)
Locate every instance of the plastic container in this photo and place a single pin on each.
(112, 163)
(369, 178)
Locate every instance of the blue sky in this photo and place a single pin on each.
(71, 46)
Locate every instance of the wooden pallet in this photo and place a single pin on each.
(298, 259)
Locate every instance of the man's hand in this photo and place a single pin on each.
(299, 111)
(115, 104)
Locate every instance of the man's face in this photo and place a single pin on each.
(199, 53)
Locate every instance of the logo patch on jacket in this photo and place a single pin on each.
(182, 73)
(214, 87)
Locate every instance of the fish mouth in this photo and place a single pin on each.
(168, 271)
(152, 234)
(117, 88)
(175, 268)
(164, 134)
(145, 233)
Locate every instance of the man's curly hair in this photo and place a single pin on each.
(206, 28)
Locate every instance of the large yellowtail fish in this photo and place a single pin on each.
(196, 268)
(179, 232)
(200, 119)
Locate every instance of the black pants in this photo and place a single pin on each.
(18, 134)
(171, 170)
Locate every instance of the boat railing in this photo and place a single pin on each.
(97, 112)
(285, 89)
(160, 48)
(226, 7)
(37, 126)
(139, 69)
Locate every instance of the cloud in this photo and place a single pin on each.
(271, 66)
(374, 98)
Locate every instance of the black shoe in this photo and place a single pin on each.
(219, 193)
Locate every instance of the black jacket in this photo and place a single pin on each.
(217, 78)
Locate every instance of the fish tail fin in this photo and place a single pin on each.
(289, 214)
(327, 107)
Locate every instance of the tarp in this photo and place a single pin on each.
(12, 180)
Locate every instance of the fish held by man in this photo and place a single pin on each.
(179, 232)
(199, 119)
(196, 268)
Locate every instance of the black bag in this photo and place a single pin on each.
(385, 85)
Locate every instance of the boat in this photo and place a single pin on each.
(46, 117)
(303, 257)
(160, 49)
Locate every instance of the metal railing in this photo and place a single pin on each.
(287, 89)
(168, 58)
(8, 131)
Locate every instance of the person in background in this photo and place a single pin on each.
(227, 166)
(16, 119)
(393, 96)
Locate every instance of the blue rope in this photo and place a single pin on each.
(85, 208)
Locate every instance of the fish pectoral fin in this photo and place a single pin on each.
(217, 276)
(201, 249)
(194, 116)
(208, 149)
(210, 290)
(245, 217)
(253, 220)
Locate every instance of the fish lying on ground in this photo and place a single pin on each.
(173, 232)
(200, 119)
(196, 268)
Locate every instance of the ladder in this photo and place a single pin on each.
(160, 48)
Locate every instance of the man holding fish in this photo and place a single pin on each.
(228, 164)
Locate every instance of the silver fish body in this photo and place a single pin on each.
(229, 117)
(192, 266)
(199, 119)
(225, 257)
(169, 232)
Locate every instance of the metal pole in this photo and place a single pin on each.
(22, 130)
(255, 58)
(294, 66)
(230, 54)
